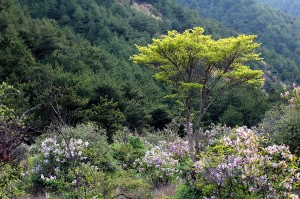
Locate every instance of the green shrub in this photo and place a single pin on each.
(186, 192)
(11, 185)
(282, 124)
(128, 151)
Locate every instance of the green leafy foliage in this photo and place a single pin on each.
(175, 58)
(239, 106)
(62, 73)
(199, 67)
(126, 153)
(11, 182)
(281, 123)
(186, 192)
(12, 130)
(107, 115)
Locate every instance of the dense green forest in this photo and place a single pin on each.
(277, 31)
(83, 116)
(55, 61)
(56, 35)
(291, 7)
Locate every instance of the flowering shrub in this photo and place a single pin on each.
(158, 164)
(63, 152)
(211, 135)
(61, 164)
(238, 166)
(179, 148)
(293, 96)
(162, 162)
(282, 123)
(79, 163)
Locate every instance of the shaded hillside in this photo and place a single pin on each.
(291, 7)
(73, 59)
(276, 31)
(57, 69)
(108, 31)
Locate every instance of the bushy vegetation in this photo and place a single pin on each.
(79, 163)
(281, 123)
(239, 165)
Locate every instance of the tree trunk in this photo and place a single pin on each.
(189, 132)
(200, 119)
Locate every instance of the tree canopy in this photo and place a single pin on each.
(196, 65)
(191, 59)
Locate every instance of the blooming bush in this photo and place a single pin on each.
(292, 96)
(79, 163)
(71, 151)
(179, 148)
(162, 162)
(159, 165)
(282, 123)
(239, 166)
(61, 164)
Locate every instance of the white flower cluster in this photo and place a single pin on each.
(47, 179)
(49, 145)
(64, 151)
(293, 96)
(56, 154)
(279, 149)
(74, 148)
(160, 161)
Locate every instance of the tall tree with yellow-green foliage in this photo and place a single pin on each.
(197, 66)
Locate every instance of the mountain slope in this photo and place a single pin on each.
(61, 72)
(291, 7)
(276, 31)
(73, 59)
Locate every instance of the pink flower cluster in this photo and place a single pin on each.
(293, 96)
(179, 148)
(164, 159)
(240, 161)
(163, 164)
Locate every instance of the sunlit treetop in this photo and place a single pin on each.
(199, 67)
(195, 60)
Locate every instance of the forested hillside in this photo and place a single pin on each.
(138, 99)
(75, 57)
(277, 31)
(291, 7)
(57, 68)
